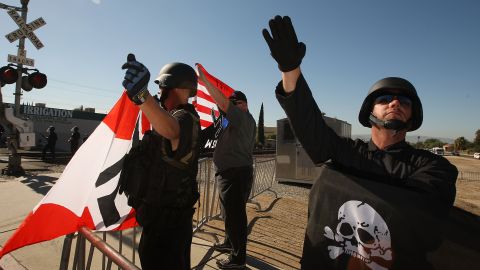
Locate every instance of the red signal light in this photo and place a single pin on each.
(8, 75)
(37, 80)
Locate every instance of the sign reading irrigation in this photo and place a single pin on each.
(46, 112)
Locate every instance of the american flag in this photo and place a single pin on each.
(204, 103)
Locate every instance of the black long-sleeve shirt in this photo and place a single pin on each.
(403, 165)
(419, 172)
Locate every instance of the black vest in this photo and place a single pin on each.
(152, 179)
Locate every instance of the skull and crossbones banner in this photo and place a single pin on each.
(357, 223)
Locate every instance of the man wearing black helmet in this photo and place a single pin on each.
(391, 109)
(233, 158)
(166, 210)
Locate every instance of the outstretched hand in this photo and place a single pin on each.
(136, 79)
(283, 43)
(201, 75)
(217, 95)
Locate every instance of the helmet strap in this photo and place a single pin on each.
(163, 97)
(394, 124)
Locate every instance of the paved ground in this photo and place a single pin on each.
(18, 196)
(276, 231)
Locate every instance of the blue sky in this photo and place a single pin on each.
(350, 45)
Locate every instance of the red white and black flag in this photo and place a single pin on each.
(86, 192)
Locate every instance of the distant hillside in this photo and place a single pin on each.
(411, 139)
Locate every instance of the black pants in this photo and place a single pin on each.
(234, 186)
(166, 241)
(73, 148)
(50, 147)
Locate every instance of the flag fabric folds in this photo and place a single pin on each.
(357, 223)
(86, 192)
(205, 103)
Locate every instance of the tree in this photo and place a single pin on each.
(460, 143)
(432, 142)
(419, 145)
(476, 140)
(261, 129)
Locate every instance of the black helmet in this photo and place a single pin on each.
(385, 86)
(75, 128)
(178, 75)
(50, 129)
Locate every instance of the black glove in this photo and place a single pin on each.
(284, 46)
(136, 79)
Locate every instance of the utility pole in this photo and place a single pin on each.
(24, 31)
(20, 53)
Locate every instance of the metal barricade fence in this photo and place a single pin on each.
(126, 255)
(468, 176)
(207, 206)
(263, 178)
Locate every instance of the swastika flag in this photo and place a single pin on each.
(86, 194)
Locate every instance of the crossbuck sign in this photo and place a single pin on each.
(25, 30)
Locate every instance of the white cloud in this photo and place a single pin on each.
(98, 2)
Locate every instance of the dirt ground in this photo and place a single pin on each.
(468, 192)
(277, 230)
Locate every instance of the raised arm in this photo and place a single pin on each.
(285, 49)
(222, 102)
(135, 83)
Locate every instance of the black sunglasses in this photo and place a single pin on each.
(386, 99)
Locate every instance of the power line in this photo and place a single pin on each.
(82, 85)
(81, 92)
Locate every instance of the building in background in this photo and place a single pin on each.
(63, 121)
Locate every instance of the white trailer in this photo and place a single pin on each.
(293, 163)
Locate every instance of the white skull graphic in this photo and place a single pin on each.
(361, 233)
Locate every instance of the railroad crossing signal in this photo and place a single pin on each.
(25, 30)
(21, 60)
(36, 79)
(8, 75)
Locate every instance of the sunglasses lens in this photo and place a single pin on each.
(405, 101)
(386, 99)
